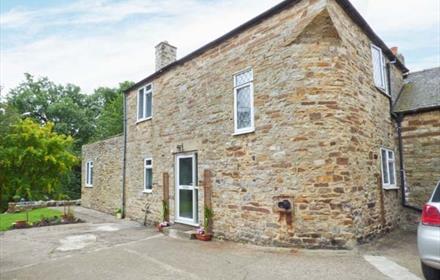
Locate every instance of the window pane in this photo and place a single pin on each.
(141, 104)
(390, 155)
(243, 78)
(91, 175)
(385, 167)
(186, 203)
(149, 105)
(391, 169)
(148, 162)
(185, 172)
(148, 178)
(87, 173)
(377, 67)
(244, 107)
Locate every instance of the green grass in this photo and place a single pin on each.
(7, 219)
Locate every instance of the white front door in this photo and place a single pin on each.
(186, 189)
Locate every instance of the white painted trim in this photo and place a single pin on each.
(388, 186)
(148, 166)
(144, 111)
(249, 84)
(89, 174)
(192, 187)
(143, 120)
(382, 68)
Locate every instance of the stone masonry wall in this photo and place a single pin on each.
(105, 194)
(319, 125)
(421, 150)
(370, 127)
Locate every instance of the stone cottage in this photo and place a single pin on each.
(283, 126)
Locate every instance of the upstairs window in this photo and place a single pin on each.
(89, 174)
(144, 101)
(379, 69)
(148, 175)
(388, 169)
(244, 102)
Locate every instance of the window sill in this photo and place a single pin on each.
(240, 132)
(390, 187)
(383, 91)
(88, 186)
(147, 191)
(143, 120)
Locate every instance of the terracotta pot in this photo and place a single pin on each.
(21, 224)
(159, 228)
(204, 237)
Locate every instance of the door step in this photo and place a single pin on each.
(180, 231)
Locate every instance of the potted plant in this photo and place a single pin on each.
(204, 234)
(118, 213)
(160, 226)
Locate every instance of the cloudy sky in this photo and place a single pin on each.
(95, 43)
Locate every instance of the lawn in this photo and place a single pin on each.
(7, 219)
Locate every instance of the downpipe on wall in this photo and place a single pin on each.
(398, 118)
(124, 157)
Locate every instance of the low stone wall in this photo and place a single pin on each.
(14, 207)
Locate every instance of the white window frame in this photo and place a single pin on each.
(251, 128)
(148, 166)
(89, 174)
(144, 116)
(383, 76)
(388, 185)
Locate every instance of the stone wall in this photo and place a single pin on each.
(368, 127)
(320, 124)
(105, 194)
(421, 150)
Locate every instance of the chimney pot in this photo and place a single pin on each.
(395, 50)
(165, 55)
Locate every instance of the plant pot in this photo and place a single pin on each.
(118, 215)
(21, 224)
(204, 237)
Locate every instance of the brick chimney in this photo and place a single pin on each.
(165, 54)
(400, 57)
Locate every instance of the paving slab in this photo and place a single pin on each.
(107, 248)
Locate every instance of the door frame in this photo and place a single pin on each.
(193, 187)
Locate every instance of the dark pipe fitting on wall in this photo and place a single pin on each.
(285, 204)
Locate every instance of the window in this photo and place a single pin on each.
(145, 103)
(243, 102)
(148, 175)
(89, 173)
(388, 167)
(379, 69)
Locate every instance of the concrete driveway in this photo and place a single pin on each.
(106, 248)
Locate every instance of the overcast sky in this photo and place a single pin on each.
(94, 43)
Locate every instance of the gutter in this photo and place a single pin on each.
(344, 4)
(124, 158)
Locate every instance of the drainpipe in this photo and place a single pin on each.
(124, 159)
(398, 118)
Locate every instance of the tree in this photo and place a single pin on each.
(33, 159)
(110, 120)
(65, 106)
(84, 117)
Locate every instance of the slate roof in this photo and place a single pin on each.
(345, 5)
(421, 91)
